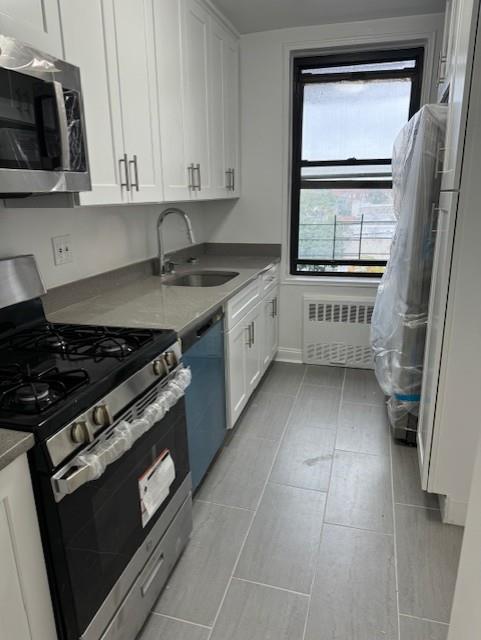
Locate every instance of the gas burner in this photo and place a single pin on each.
(80, 342)
(32, 393)
(24, 392)
(113, 347)
(52, 342)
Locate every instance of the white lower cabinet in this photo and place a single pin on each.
(25, 605)
(244, 361)
(251, 342)
(270, 320)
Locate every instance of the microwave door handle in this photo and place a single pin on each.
(63, 126)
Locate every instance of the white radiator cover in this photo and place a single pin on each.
(336, 331)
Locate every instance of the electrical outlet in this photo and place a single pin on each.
(62, 249)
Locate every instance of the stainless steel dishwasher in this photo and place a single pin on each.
(203, 352)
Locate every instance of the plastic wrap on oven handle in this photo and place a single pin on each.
(126, 433)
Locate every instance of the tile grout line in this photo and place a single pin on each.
(396, 573)
(417, 506)
(226, 506)
(216, 617)
(193, 624)
(272, 586)
(349, 526)
(314, 573)
(407, 615)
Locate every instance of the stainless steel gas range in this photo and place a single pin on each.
(110, 467)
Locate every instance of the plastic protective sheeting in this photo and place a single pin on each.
(399, 321)
(124, 434)
(42, 135)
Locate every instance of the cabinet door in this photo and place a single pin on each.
(270, 338)
(195, 47)
(172, 99)
(254, 349)
(218, 37)
(35, 22)
(438, 299)
(463, 31)
(231, 115)
(236, 375)
(138, 92)
(97, 58)
(25, 605)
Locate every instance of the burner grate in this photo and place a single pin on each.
(77, 342)
(24, 392)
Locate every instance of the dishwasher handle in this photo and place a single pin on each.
(91, 465)
(200, 330)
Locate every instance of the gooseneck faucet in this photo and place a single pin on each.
(160, 239)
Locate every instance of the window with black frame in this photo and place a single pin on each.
(348, 110)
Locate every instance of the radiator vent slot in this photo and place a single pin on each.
(337, 312)
(337, 332)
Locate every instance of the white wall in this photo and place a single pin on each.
(103, 238)
(261, 214)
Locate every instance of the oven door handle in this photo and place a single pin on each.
(92, 464)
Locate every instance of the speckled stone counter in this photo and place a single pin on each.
(13, 444)
(146, 302)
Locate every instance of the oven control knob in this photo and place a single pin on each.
(101, 416)
(161, 367)
(80, 433)
(171, 359)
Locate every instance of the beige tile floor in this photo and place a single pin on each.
(311, 525)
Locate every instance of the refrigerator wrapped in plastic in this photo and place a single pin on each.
(399, 321)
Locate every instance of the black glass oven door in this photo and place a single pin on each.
(95, 531)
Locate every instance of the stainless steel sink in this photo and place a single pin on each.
(199, 278)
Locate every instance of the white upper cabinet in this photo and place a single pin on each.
(231, 92)
(224, 111)
(460, 48)
(33, 21)
(198, 101)
(101, 93)
(196, 48)
(117, 64)
(172, 99)
(140, 117)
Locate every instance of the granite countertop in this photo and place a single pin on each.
(13, 444)
(148, 303)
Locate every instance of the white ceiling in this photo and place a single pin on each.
(263, 15)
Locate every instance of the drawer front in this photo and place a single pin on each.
(240, 305)
(269, 279)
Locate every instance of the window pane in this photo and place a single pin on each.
(371, 66)
(357, 119)
(345, 224)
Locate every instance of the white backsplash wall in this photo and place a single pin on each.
(103, 238)
(262, 212)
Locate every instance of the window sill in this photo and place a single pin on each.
(331, 281)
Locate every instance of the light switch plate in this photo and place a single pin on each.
(62, 249)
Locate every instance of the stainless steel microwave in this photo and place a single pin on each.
(43, 144)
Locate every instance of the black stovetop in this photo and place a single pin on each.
(49, 373)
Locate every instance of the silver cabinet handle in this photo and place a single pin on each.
(273, 312)
(253, 332)
(232, 179)
(63, 126)
(198, 184)
(135, 185)
(190, 173)
(228, 181)
(249, 342)
(124, 161)
(276, 305)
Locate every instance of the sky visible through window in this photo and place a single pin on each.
(349, 120)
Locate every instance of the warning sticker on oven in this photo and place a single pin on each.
(154, 485)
